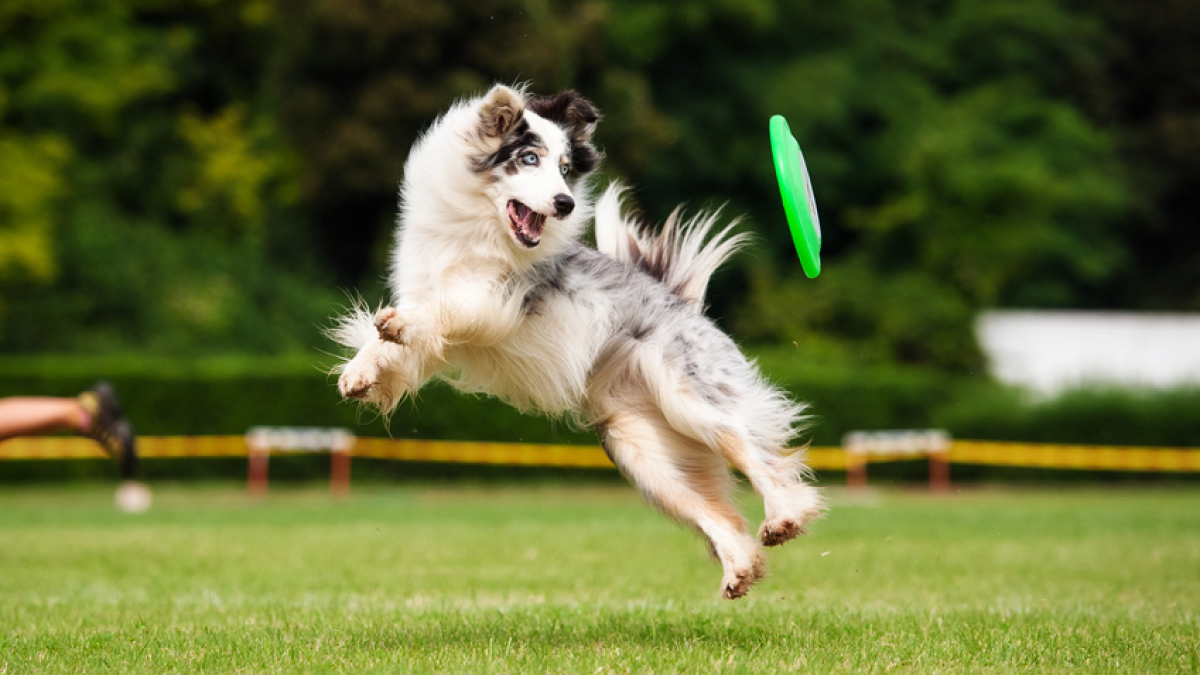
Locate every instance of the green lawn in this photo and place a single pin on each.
(586, 579)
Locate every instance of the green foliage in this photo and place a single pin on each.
(228, 395)
(184, 176)
(148, 198)
(949, 178)
(136, 285)
(1101, 416)
(237, 171)
(1002, 199)
(906, 318)
(30, 186)
(1146, 92)
(844, 398)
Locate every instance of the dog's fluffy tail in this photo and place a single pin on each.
(683, 255)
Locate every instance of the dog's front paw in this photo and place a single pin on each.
(389, 325)
(356, 381)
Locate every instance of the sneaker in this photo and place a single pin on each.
(109, 427)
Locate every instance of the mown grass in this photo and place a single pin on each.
(586, 579)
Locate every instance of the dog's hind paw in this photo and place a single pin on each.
(737, 582)
(736, 587)
(779, 531)
(389, 325)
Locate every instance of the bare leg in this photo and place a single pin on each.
(36, 415)
(95, 413)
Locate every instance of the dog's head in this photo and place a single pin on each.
(533, 154)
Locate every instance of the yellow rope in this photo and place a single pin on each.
(1103, 458)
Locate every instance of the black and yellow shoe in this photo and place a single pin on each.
(109, 427)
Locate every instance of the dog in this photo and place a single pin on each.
(494, 293)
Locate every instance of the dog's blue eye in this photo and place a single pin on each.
(565, 169)
(529, 158)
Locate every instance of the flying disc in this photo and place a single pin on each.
(796, 189)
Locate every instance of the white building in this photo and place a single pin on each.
(1048, 352)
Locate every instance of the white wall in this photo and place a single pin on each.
(1050, 351)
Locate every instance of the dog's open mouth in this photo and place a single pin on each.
(526, 223)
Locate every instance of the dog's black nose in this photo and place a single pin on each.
(563, 205)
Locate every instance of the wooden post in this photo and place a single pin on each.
(894, 445)
(939, 462)
(337, 442)
(256, 475)
(856, 461)
(339, 463)
(939, 472)
(856, 474)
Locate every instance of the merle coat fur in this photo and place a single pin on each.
(493, 291)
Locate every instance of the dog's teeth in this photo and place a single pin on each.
(526, 223)
(535, 224)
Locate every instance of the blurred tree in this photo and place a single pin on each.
(54, 76)
(950, 172)
(151, 201)
(202, 174)
(30, 185)
(1147, 94)
(357, 80)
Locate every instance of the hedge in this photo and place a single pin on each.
(228, 395)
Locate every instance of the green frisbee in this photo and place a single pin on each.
(796, 190)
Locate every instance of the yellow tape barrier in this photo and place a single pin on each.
(74, 447)
(482, 453)
(1060, 456)
(1102, 458)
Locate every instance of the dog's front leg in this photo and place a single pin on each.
(424, 338)
(390, 325)
(457, 316)
(373, 375)
(359, 375)
(382, 373)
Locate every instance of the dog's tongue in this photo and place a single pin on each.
(527, 223)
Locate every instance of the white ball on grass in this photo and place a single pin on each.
(133, 497)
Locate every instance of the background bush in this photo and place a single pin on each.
(228, 395)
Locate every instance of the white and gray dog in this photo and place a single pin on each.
(494, 292)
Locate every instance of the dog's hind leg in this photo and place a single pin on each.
(737, 430)
(789, 503)
(688, 483)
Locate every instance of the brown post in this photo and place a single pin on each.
(939, 472)
(939, 461)
(339, 473)
(856, 461)
(856, 476)
(256, 483)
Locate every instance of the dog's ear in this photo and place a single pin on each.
(501, 110)
(570, 110)
(578, 117)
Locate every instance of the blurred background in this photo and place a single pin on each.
(189, 189)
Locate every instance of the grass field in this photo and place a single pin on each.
(586, 579)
